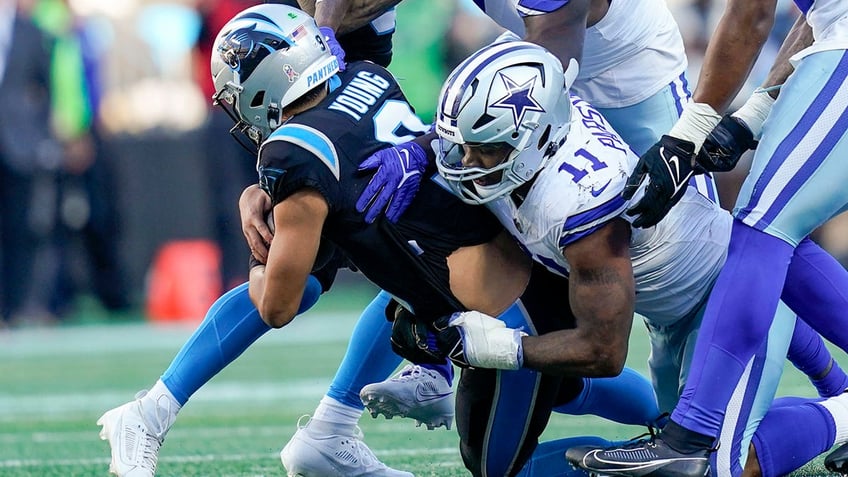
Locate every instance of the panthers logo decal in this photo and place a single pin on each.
(244, 48)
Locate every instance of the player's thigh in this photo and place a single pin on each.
(798, 176)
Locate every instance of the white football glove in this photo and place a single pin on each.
(487, 342)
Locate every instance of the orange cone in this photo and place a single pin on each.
(184, 280)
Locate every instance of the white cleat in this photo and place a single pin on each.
(415, 392)
(135, 448)
(311, 455)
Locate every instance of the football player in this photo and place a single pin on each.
(274, 73)
(558, 190)
(795, 185)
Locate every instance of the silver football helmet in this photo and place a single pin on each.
(512, 93)
(264, 59)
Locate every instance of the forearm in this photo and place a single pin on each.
(800, 37)
(331, 13)
(356, 13)
(597, 346)
(732, 50)
(561, 32)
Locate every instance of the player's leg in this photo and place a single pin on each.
(137, 429)
(780, 203)
(809, 354)
(323, 446)
(797, 430)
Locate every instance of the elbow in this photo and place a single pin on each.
(608, 361)
(757, 17)
(275, 316)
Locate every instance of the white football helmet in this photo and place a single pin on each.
(514, 93)
(264, 59)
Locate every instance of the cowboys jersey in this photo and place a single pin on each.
(579, 191)
(829, 21)
(627, 56)
(322, 148)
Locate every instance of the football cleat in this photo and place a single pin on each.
(311, 455)
(415, 392)
(640, 457)
(837, 461)
(135, 446)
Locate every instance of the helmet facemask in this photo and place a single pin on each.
(511, 93)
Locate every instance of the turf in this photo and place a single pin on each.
(54, 383)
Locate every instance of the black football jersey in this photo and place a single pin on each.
(322, 148)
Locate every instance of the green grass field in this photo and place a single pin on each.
(54, 384)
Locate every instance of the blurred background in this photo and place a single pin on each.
(119, 184)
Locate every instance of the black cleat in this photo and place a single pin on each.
(640, 457)
(837, 461)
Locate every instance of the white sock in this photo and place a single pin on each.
(837, 406)
(160, 408)
(341, 417)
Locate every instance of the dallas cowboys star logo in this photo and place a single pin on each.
(518, 98)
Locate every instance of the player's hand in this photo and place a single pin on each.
(667, 167)
(411, 338)
(395, 183)
(254, 207)
(335, 48)
(725, 145)
(474, 339)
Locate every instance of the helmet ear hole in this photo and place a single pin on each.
(258, 99)
(543, 139)
(484, 119)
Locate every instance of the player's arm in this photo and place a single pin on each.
(561, 31)
(734, 46)
(601, 291)
(347, 15)
(277, 288)
(254, 207)
(739, 131)
(602, 294)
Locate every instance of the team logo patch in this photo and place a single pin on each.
(519, 98)
(244, 48)
(290, 72)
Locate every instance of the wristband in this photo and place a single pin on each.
(695, 124)
(755, 111)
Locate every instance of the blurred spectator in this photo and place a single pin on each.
(81, 246)
(28, 153)
(230, 168)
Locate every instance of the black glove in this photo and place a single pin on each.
(668, 165)
(725, 145)
(413, 339)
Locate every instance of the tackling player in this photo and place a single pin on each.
(558, 191)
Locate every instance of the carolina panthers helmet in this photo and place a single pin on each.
(264, 59)
(514, 93)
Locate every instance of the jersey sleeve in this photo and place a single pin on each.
(297, 157)
(529, 8)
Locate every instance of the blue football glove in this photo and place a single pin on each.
(395, 183)
(335, 48)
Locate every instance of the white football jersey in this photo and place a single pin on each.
(579, 191)
(634, 51)
(829, 21)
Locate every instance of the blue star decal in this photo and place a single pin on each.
(518, 98)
